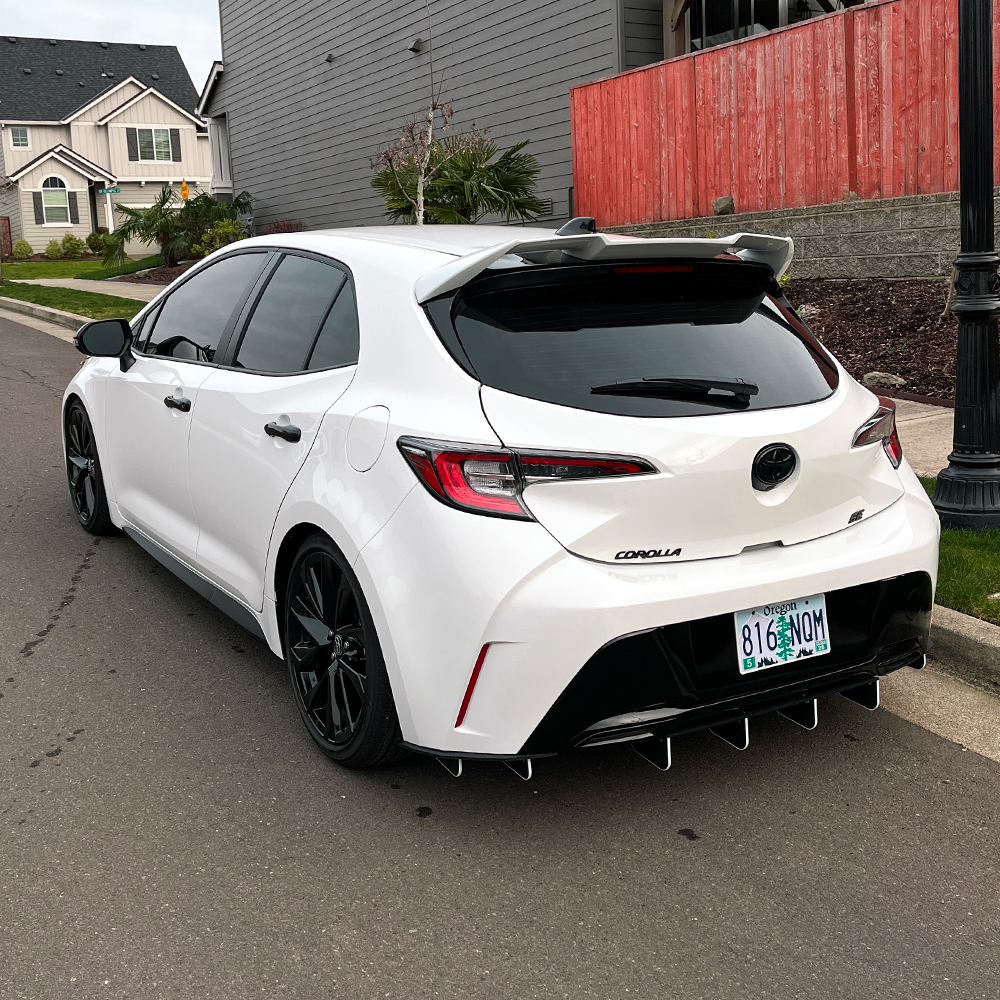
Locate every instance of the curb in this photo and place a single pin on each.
(69, 320)
(967, 647)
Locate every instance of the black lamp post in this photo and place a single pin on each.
(968, 491)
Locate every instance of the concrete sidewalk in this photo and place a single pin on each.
(925, 432)
(123, 289)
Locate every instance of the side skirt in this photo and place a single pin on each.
(239, 613)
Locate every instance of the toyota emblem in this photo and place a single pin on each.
(772, 466)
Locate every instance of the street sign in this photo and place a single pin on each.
(109, 190)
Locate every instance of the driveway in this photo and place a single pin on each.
(169, 830)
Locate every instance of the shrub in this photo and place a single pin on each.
(283, 226)
(54, 250)
(172, 224)
(220, 235)
(96, 243)
(73, 246)
(22, 250)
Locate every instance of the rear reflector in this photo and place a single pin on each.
(881, 427)
(492, 482)
(472, 685)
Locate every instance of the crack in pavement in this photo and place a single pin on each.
(33, 380)
(29, 647)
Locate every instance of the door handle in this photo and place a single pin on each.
(286, 431)
(181, 403)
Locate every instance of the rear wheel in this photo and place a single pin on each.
(335, 661)
(83, 469)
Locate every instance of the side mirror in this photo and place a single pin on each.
(106, 338)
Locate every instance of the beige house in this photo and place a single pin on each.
(129, 136)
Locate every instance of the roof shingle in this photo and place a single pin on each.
(88, 69)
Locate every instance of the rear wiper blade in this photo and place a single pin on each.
(681, 388)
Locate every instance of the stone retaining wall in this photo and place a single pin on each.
(914, 236)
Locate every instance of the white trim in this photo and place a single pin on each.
(65, 189)
(102, 96)
(206, 92)
(138, 97)
(59, 225)
(27, 121)
(186, 127)
(56, 153)
(27, 129)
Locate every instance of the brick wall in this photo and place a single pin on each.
(907, 237)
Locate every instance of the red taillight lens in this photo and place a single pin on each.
(881, 427)
(485, 482)
(491, 482)
(482, 481)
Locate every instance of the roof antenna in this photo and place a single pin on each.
(580, 226)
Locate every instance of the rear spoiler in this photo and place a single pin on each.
(775, 252)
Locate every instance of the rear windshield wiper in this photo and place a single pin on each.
(695, 389)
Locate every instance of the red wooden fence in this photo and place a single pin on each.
(862, 100)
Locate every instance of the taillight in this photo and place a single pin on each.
(491, 482)
(881, 427)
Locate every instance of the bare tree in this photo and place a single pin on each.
(412, 150)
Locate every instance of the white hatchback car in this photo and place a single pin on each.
(502, 492)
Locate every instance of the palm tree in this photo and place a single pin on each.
(464, 183)
(172, 224)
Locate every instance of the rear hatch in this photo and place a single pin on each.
(694, 367)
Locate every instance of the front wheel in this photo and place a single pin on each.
(335, 662)
(83, 469)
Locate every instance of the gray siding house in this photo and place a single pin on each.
(308, 91)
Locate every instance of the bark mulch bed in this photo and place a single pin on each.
(873, 325)
(158, 275)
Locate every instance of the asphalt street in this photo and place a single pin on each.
(168, 830)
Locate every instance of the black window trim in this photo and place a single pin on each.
(224, 340)
(249, 305)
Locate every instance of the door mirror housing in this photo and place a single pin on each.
(106, 338)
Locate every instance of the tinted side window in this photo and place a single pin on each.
(195, 316)
(288, 315)
(338, 340)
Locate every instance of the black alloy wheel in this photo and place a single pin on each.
(83, 469)
(335, 660)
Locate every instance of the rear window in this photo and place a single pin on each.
(557, 334)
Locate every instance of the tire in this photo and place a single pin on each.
(83, 470)
(335, 661)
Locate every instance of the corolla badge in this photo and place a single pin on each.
(646, 553)
(772, 465)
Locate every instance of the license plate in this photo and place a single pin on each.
(779, 633)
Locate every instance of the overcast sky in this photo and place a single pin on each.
(191, 25)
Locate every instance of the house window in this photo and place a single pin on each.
(55, 200)
(19, 137)
(160, 144)
(715, 22)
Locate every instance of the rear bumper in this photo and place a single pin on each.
(682, 678)
(443, 584)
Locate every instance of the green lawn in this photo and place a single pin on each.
(30, 269)
(91, 304)
(969, 570)
(88, 267)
